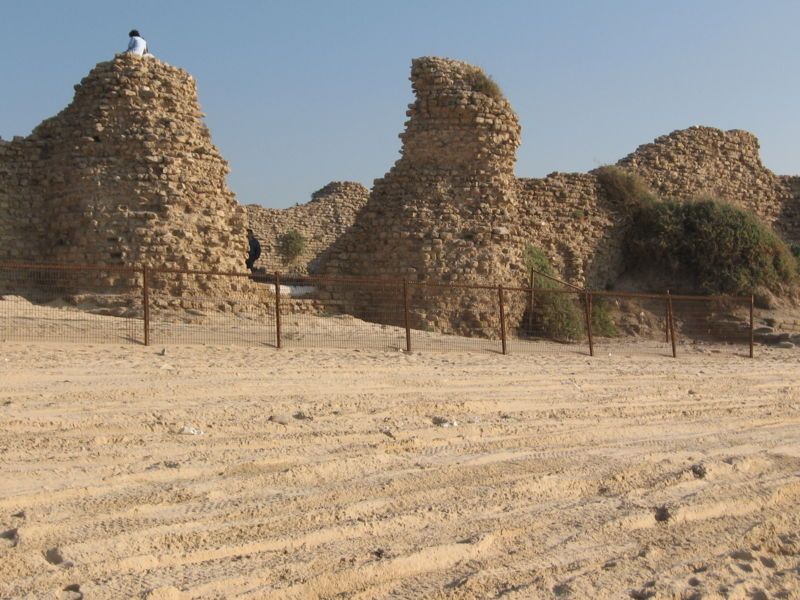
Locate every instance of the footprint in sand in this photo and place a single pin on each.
(9, 538)
(54, 557)
(71, 592)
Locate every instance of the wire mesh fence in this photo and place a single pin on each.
(70, 304)
(547, 320)
(712, 324)
(170, 306)
(318, 312)
(198, 307)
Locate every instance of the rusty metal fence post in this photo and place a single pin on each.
(277, 309)
(502, 317)
(671, 324)
(752, 302)
(666, 319)
(146, 304)
(405, 315)
(587, 309)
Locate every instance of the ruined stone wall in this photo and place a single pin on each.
(723, 164)
(446, 209)
(451, 210)
(570, 218)
(331, 211)
(127, 175)
(22, 216)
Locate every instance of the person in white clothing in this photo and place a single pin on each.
(137, 45)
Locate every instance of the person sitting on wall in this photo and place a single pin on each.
(254, 250)
(137, 45)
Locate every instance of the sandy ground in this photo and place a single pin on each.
(342, 474)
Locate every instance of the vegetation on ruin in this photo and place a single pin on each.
(723, 249)
(561, 315)
(603, 324)
(624, 187)
(536, 260)
(719, 248)
(291, 245)
(483, 83)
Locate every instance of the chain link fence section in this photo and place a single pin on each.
(547, 321)
(712, 325)
(778, 327)
(346, 313)
(630, 324)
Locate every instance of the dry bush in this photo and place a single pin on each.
(483, 83)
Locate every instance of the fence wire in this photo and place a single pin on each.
(341, 313)
(68, 304)
(161, 306)
(209, 308)
(546, 320)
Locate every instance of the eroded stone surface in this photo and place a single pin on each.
(126, 175)
(321, 221)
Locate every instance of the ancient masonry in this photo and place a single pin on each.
(320, 222)
(724, 164)
(451, 209)
(126, 175)
(448, 207)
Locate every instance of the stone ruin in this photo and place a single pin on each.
(320, 222)
(127, 175)
(724, 164)
(451, 209)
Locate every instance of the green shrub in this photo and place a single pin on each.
(623, 187)
(483, 83)
(535, 259)
(602, 321)
(721, 248)
(291, 245)
(560, 315)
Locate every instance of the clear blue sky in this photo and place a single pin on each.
(301, 93)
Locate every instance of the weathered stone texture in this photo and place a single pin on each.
(22, 215)
(125, 175)
(568, 216)
(451, 209)
(723, 164)
(331, 211)
(447, 208)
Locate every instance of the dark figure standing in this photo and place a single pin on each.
(254, 250)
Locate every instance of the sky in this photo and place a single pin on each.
(301, 93)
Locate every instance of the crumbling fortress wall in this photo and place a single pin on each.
(446, 209)
(21, 210)
(126, 175)
(723, 164)
(331, 211)
(451, 209)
